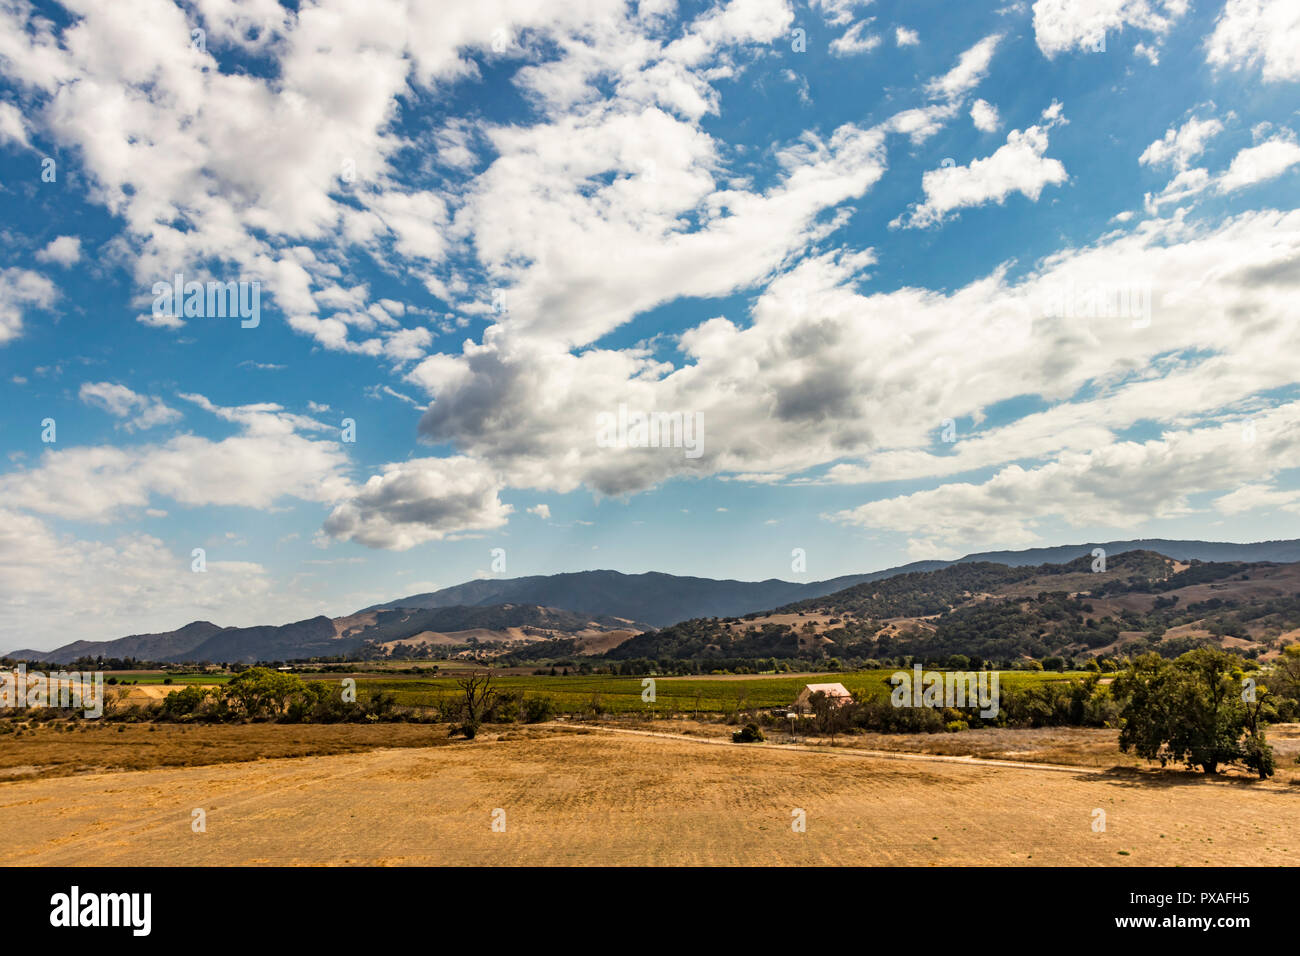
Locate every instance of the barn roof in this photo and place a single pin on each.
(831, 690)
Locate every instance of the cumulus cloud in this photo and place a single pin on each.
(1249, 167)
(1257, 34)
(63, 250)
(1121, 485)
(21, 289)
(611, 194)
(1019, 166)
(1257, 164)
(207, 165)
(425, 499)
(985, 116)
(1179, 146)
(819, 374)
(1063, 25)
(13, 128)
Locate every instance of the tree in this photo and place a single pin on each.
(830, 714)
(476, 696)
(260, 690)
(1192, 709)
(748, 734)
(1285, 679)
(186, 701)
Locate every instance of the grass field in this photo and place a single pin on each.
(159, 677)
(712, 695)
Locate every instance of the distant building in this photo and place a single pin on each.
(838, 694)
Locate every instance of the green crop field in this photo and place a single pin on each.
(622, 695)
(159, 677)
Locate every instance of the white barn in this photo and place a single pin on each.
(838, 693)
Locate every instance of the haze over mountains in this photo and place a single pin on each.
(581, 605)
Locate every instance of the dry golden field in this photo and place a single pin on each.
(605, 796)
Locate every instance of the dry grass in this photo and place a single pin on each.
(96, 746)
(602, 798)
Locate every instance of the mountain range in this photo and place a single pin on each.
(596, 607)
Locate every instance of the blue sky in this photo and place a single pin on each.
(933, 278)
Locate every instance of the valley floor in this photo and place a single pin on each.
(578, 796)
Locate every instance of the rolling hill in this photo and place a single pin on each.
(365, 634)
(1142, 601)
(589, 607)
(663, 599)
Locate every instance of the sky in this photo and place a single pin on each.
(899, 280)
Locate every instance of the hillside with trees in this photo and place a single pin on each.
(1140, 602)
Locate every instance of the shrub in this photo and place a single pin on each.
(748, 734)
(538, 710)
(468, 730)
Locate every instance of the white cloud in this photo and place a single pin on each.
(1257, 164)
(1255, 497)
(818, 374)
(268, 461)
(64, 250)
(19, 290)
(1180, 146)
(905, 37)
(855, 39)
(1121, 485)
(1063, 25)
(838, 12)
(1251, 166)
(1019, 166)
(237, 170)
(1188, 183)
(1263, 34)
(985, 116)
(542, 511)
(972, 66)
(120, 402)
(424, 499)
(13, 128)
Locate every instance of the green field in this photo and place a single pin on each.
(622, 695)
(158, 677)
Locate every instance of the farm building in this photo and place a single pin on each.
(836, 692)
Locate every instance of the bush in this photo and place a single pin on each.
(468, 730)
(503, 708)
(537, 710)
(182, 703)
(748, 734)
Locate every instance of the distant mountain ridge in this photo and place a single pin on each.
(662, 599)
(655, 598)
(325, 637)
(1139, 601)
